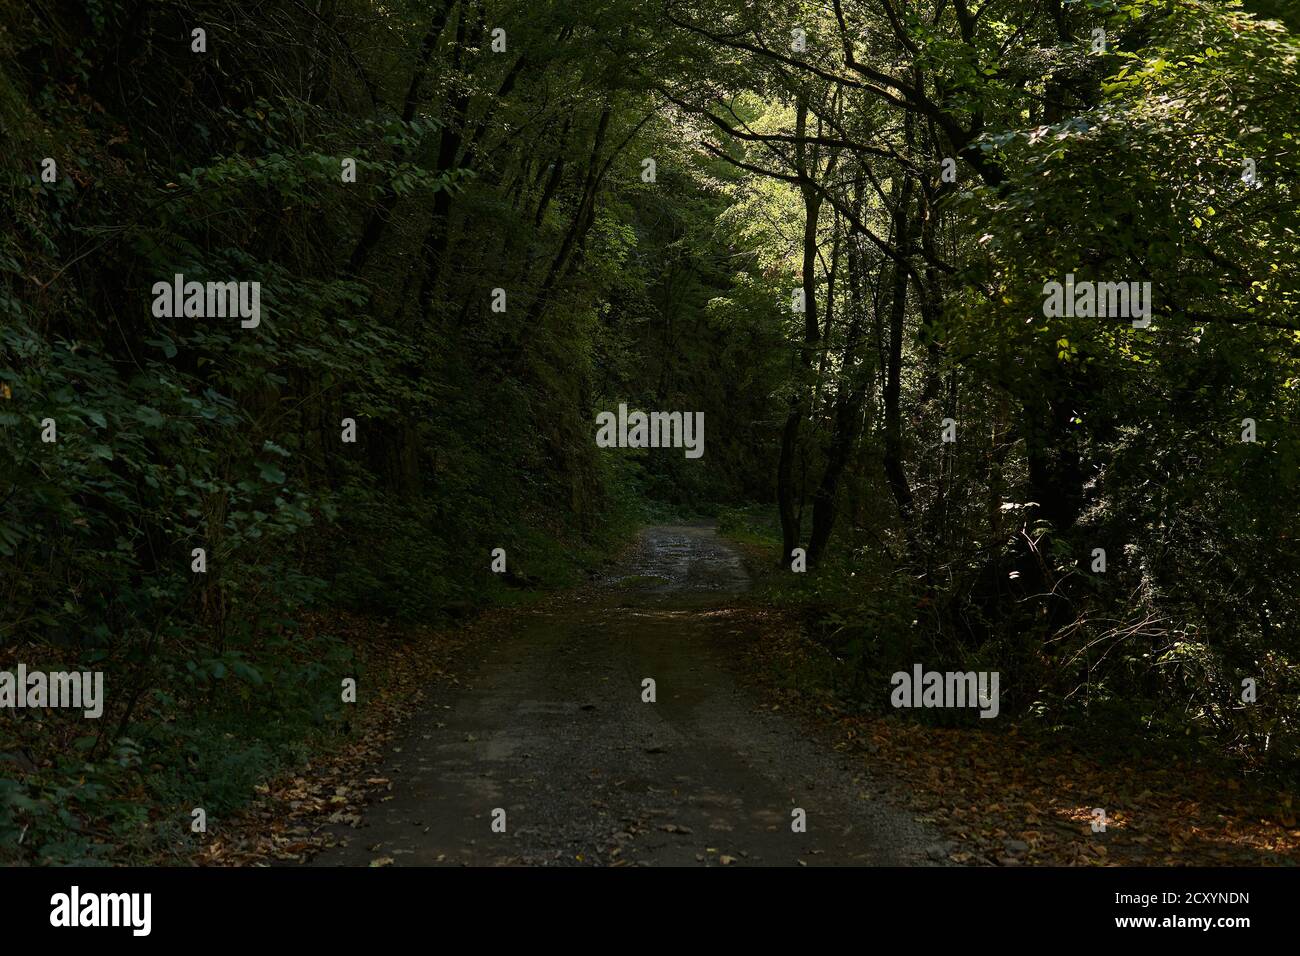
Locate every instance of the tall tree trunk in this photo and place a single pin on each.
(895, 475)
(850, 396)
(812, 200)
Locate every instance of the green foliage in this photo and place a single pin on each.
(473, 427)
(1166, 157)
(521, 172)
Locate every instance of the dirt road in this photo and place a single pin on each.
(551, 727)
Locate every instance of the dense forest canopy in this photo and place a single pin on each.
(994, 307)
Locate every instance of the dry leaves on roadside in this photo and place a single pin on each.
(290, 817)
(1010, 799)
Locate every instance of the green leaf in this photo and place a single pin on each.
(149, 416)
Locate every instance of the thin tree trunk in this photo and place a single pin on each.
(895, 475)
(812, 335)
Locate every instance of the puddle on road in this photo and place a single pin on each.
(679, 560)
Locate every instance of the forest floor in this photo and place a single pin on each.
(538, 711)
